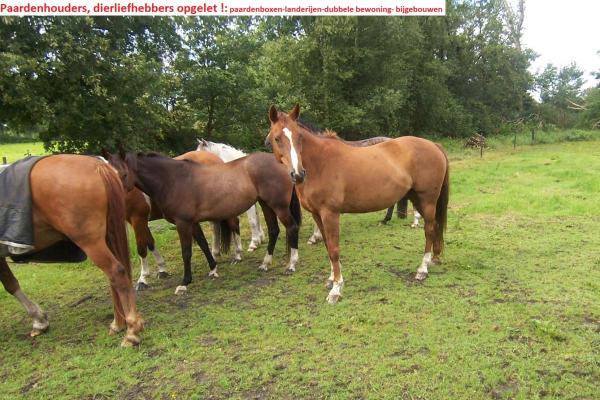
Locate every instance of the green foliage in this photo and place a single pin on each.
(156, 83)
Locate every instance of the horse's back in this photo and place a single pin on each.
(200, 157)
(68, 195)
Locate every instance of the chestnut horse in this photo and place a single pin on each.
(80, 198)
(333, 178)
(141, 209)
(188, 193)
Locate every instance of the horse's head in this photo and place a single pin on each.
(203, 145)
(120, 164)
(286, 141)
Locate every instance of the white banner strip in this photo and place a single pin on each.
(229, 7)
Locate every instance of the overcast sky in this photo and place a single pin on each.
(562, 32)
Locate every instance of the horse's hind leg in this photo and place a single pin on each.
(255, 228)
(316, 237)
(234, 226)
(123, 294)
(184, 230)
(402, 208)
(273, 229)
(388, 215)
(201, 241)
(216, 242)
(427, 209)
(11, 284)
(142, 240)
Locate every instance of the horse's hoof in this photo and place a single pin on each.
(333, 298)
(236, 259)
(39, 327)
(163, 274)
(212, 274)
(329, 284)
(421, 276)
(38, 331)
(251, 249)
(263, 267)
(141, 286)
(180, 289)
(436, 260)
(131, 340)
(414, 225)
(290, 270)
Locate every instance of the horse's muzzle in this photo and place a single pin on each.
(298, 178)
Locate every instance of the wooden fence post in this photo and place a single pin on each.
(4, 160)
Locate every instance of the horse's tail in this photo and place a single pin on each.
(116, 231)
(441, 208)
(296, 211)
(227, 228)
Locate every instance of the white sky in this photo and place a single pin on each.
(562, 32)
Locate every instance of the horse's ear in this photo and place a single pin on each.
(201, 141)
(273, 114)
(295, 112)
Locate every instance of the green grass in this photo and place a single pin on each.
(16, 151)
(513, 312)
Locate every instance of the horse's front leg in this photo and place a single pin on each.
(273, 229)
(203, 243)
(331, 228)
(184, 230)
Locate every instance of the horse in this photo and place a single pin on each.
(188, 193)
(229, 153)
(81, 199)
(141, 209)
(333, 178)
(402, 204)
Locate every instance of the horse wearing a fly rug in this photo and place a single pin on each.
(80, 199)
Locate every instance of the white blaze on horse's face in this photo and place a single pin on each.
(293, 153)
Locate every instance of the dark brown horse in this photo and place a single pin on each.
(81, 199)
(188, 193)
(333, 178)
(141, 209)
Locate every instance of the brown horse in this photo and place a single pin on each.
(333, 178)
(402, 204)
(141, 209)
(188, 193)
(81, 199)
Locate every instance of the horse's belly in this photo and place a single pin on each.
(226, 208)
(374, 193)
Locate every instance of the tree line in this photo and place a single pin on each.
(81, 83)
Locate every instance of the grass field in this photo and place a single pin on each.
(513, 312)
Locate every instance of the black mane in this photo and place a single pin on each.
(310, 126)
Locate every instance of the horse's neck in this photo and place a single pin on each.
(149, 181)
(316, 151)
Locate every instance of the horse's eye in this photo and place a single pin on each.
(277, 140)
